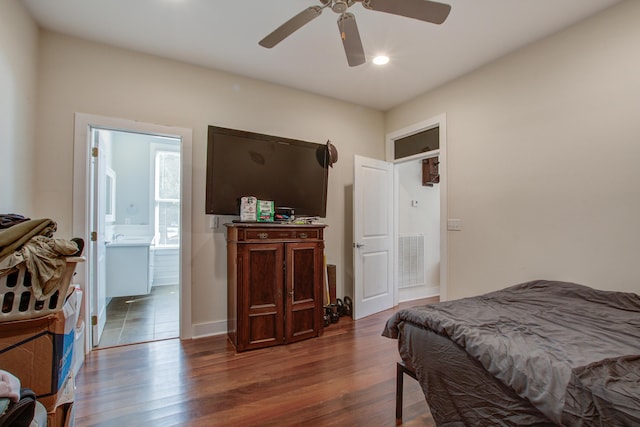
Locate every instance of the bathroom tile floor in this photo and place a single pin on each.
(141, 318)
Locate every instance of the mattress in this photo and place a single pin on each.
(536, 353)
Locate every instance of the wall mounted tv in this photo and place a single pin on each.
(290, 172)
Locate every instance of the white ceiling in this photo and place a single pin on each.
(224, 35)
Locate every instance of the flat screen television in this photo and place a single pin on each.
(290, 172)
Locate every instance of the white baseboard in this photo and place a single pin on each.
(208, 329)
(410, 294)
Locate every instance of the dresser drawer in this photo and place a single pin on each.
(278, 234)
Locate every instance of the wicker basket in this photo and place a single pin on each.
(17, 298)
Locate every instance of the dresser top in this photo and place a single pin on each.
(265, 224)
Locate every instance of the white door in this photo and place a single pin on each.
(98, 246)
(372, 236)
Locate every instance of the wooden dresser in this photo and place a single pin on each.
(274, 284)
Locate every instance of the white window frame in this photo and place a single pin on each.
(156, 151)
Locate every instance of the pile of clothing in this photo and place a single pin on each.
(30, 241)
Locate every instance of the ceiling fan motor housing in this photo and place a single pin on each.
(339, 6)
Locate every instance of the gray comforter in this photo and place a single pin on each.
(572, 351)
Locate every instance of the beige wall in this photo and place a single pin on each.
(543, 160)
(18, 67)
(542, 147)
(80, 76)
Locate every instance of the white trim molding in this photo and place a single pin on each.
(81, 205)
(439, 121)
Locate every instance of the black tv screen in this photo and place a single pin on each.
(290, 172)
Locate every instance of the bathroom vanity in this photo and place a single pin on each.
(127, 262)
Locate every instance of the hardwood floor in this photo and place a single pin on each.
(346, 377)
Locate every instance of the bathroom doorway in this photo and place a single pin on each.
(141, 236)
(94, 194)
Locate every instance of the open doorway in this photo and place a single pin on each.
(420, 200)
(377, 230)
(418, 234)
(141, 236)
(132, 196)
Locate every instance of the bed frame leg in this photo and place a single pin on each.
(401, 369)
(399, 390)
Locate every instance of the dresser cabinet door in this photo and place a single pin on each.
(303, 285)
(260, 299)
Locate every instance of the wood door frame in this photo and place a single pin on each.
(81, 194)
(441, 122)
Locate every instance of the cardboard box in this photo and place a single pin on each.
(40, 352)
(248, 208)
(63, 415)
(265, 210)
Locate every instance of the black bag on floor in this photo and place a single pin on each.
(20, 414)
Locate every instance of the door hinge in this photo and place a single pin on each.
(94, 320)
(94, 152)
(94, 236)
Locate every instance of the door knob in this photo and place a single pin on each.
(358, 245)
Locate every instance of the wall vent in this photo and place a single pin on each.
(411, 261)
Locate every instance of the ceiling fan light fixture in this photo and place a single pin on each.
(381, 60)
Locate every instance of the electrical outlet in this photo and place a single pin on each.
(454, 225)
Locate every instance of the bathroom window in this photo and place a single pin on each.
(167, 198)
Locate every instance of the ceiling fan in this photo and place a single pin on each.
(423, 10)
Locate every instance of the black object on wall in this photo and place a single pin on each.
(290, 172)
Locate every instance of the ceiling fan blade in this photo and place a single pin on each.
(351, 39)
(424, 10)
(291, 26)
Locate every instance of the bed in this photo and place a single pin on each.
(540, 353)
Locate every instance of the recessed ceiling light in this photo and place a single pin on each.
(380, 60)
